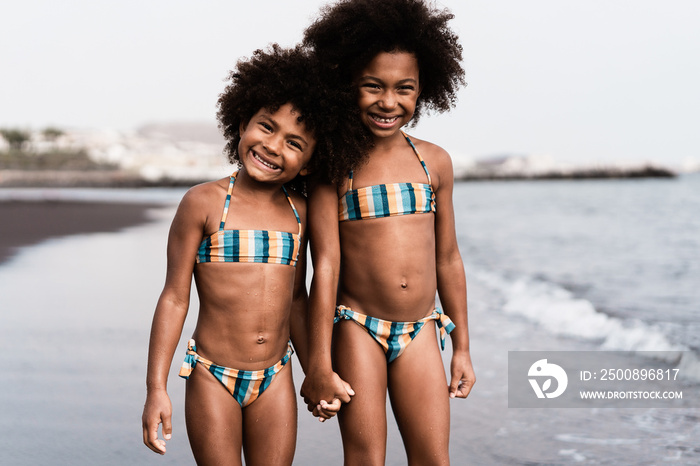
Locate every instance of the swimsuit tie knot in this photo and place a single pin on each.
(445, 325)
(190, 361)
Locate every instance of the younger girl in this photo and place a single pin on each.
(389, 241)
(244, 240)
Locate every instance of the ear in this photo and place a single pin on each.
(242, 127)
(304, 171)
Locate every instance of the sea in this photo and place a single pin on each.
(552, 266)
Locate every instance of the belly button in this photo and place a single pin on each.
(404, 285)
(261, 339)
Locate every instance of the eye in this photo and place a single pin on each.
(406, 89)
(296, 145)
(265, 126)
(371, 86)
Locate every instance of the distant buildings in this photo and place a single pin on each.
(536, 167)
(189, 153)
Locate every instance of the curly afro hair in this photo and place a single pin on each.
(350, 33)
(276, 76)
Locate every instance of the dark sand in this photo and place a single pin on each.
(24, 223)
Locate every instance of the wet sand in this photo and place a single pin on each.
(24, 223)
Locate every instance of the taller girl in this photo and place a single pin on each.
(384, 238)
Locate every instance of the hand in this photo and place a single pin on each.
(157, 410)
(324, 410)
(463, 377)
(318, 387)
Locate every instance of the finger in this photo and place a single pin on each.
(454, 386)
(326, 410)
(333, 406)
(346, 394)
(318, 412)
(348, 389)
(321, 409)
(167, 427)
(151, 439)
(464, 389)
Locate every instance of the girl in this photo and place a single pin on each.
(249, 266)
(389, 238)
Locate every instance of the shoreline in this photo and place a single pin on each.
(87, 179)
(128, 179)
(26, 223)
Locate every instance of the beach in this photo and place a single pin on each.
(23, 223)
(81, 276)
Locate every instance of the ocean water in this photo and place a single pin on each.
(554, 265)
(611, 262)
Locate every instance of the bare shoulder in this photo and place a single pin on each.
(200, 199)
(436, 158)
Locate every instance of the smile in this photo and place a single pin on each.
(265, 162)
(385, 121)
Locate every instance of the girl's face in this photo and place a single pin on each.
(275, 146)
(388, 91)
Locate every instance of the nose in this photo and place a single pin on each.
(387, 100)
(273, 144)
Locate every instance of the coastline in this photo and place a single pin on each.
(87, 179)
(25, 223)
(115, 178)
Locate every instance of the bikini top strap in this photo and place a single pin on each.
(350, 181)
(228, 200)
(291, 203)
(425, 167)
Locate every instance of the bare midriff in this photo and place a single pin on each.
(387, 266)
(239, 325)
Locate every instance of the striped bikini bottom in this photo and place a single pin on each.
(394, 337)
(244, 386)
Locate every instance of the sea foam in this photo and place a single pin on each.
(560, 312)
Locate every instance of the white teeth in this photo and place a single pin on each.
(267, 164)
(384, 120)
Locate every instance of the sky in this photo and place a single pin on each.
(578, 81)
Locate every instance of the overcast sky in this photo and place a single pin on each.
(593, 80)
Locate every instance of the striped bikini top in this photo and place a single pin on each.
(387, 200)
(266, 246)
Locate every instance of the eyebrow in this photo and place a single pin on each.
(401, 81)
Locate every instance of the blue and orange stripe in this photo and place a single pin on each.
(244, 386)
(394, 337)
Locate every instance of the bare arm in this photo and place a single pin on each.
(451, 281)
(168, 320)
(321, 382)
(298, 319)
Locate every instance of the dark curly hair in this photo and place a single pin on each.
(276, 76)
(350, 33)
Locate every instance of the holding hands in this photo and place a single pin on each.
(317, 388)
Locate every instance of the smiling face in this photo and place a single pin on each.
(388, 91)
(275, 146)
